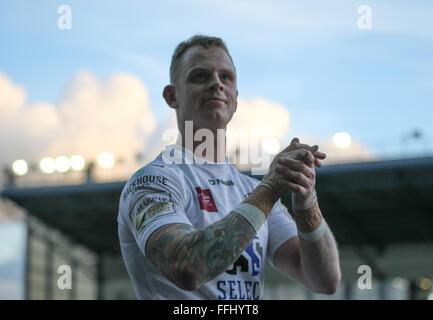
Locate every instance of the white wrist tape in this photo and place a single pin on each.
(310, 204)
(316, 235)
(270, 187)
(254, 216)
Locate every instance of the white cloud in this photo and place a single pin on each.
(12, 97)
(157, 141)
(92, 116)
(259, 116)
(273, 120)
(262, 114)
(23, 128)
(114, 115)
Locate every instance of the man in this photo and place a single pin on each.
(199, 229)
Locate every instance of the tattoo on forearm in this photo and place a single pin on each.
(203, 253)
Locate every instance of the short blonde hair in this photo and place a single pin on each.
(196, 40)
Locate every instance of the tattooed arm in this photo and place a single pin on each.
(190, 257)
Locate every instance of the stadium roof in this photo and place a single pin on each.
(366, 204)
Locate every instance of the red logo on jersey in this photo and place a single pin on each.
(206, 200)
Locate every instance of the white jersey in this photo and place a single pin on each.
(198, 195)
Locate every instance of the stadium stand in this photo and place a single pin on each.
(381, 214)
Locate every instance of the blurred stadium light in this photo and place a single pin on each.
(62, 164)
(106, 160)
(413, 144)
(77, 163)
(67, 170)
(342, 140)
(20, 167)
(47, 165)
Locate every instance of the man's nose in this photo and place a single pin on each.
(215, 83)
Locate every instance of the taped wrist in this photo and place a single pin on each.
(254, 216)
(262, 198)
(309, 219)
(310, 222)
(272, 188)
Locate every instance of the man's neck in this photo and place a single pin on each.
(213, 150)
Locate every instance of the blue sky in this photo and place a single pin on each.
(309, 57)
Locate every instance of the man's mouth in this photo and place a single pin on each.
(216, 100)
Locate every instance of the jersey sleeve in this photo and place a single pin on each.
(153, 197)
(281, 228)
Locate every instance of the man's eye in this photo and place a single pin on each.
(226, 76)
(199, 76)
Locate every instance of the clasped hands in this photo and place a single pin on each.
(293, 169)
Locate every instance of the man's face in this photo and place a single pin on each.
(206, 89)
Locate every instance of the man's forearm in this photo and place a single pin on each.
(320, 263)
(190, 257)
(319, 258)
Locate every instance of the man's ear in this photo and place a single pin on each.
(169, 94)
(236, 103)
